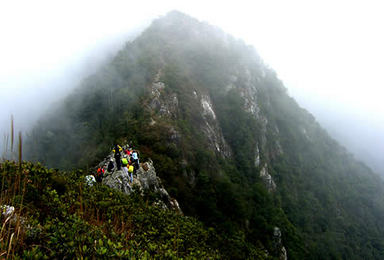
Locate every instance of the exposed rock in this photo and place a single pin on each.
(267, 179)
(174, 135)
(207, 107)
(169, 106)
(148, 180)
(165, 105)
(283, 255)
(250, 102)
(156, 88)
(212, 129)
(118, 180)
(257, 156)
(145, 180)
(156, 92)
(279, 249)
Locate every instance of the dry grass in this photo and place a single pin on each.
(12, 230)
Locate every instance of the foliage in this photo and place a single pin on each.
(327, 205)
(64, 218)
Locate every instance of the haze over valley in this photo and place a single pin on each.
(207, 130)
(327, 54)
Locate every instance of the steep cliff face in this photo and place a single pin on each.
(228, 143)
(164, 105)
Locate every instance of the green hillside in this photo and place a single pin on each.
(235, 150)
(57, 216)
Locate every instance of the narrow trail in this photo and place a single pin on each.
(144, 178)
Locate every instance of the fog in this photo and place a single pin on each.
(46, 50)
(328, 54)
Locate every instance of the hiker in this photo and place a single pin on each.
(99, 174)
(117, 150)
(130, 171)
(124, 161)
(135, 159)
(110, 165)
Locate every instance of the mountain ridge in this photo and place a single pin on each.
(230, 144)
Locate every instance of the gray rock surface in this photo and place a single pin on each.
(212, 129)
(267, 179)
(280, 250)
(257, 156)
(145, 180)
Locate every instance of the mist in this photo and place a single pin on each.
(43, 60)
(328, 54)
(361, 132)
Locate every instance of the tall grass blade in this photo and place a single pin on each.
(20, 149)
(10, 245)
(12, 133)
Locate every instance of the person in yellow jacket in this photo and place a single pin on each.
(130, 172)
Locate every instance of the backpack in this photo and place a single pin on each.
(124, 161)
(100, 172)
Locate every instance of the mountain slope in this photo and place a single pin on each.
(230, 144)
(57, 215)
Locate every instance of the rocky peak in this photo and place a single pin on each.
(145, 180)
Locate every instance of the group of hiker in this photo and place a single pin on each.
(122, 158)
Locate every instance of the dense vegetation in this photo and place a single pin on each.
(326, 204)
(58, 216)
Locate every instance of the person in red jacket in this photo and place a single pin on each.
(99, 174)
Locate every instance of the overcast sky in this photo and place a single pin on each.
(330, 54)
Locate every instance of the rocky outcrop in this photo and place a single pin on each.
(212, 129)
(164, 105)
(257, 156)
(145, 180)
(279, 249)
(118, 180)
(267, 179)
